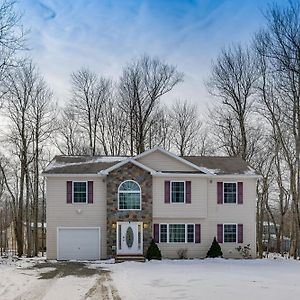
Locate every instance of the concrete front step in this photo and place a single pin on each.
(121, 258)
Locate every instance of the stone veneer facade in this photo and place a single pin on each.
(128, 171)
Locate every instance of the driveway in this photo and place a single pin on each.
(48, 280)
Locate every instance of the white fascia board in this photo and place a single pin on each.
(71, 175)
(184, 161)
(123, 162)
(238, 176)
(161, 174)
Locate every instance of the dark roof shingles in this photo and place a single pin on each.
(220, 165)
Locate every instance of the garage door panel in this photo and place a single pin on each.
(78, 243)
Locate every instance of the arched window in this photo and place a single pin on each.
(129, 195)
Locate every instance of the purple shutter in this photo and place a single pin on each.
(220, 192)
(90, 191)
(220, 233)
(69, 192)
(156, 233)
(167, 191)
(188, 192)
(240, 192)
(197, 233)
(240, 233)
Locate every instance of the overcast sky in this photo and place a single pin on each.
(104, 35)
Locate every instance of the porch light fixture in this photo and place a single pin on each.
(145, 225)
(113, 225)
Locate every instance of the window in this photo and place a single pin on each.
(229, 233)
(129, 195)
(79, 192)
(177, 192)
(230, 192)
(163, 233)
(177, 233)
(190, 233)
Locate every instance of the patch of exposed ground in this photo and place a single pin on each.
(63, 269)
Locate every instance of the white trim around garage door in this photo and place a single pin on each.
(74, 228)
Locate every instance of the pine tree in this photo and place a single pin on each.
(153, 251)
(215, 250)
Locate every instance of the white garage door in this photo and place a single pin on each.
(78, 243)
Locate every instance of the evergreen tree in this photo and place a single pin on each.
(153, 251)
(215, 250)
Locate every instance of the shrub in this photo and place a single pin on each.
(182, 253)
(153, 251)
(214, 250)
(244, 251)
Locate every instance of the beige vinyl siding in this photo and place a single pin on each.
(234, 213)
(204, 197)
(161, 162)
(196, 209)
(61, 214)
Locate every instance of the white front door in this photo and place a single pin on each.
(129, 238)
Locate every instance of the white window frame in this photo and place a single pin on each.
(184, 191)
(185, 233)
(140, 192)
(167, 232)
(236, 232)
(86, 190)
(236, 192)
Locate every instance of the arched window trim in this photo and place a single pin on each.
(133, 192)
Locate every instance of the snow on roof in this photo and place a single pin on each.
(222, 165)
(215, 165)
(81, 164)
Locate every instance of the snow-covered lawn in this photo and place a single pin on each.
(208, 279)
(21, 280)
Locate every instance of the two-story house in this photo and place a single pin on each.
(100, 207)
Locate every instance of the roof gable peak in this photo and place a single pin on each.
(174, 156)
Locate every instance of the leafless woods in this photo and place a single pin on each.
(254, 114)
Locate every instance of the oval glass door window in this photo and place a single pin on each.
(129, 237)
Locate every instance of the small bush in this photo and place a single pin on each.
(214, 250)
(182, 253)
(153, 251)
(244, 251)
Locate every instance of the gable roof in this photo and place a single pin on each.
(102, 165)
(63, 164)
(128, 160)
(222, 165)
(202, 169)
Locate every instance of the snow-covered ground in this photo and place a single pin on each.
(208, 279)
(267, 279)
(20, 280)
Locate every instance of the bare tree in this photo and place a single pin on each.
(278, 44)
(232, 80)
(31, 117)
(20, 86)
(113, 129)
(142, 85)
(89, 93)
(160, 130)
(70, 137)
(12, 39)
(186, 126)
(43, 123)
